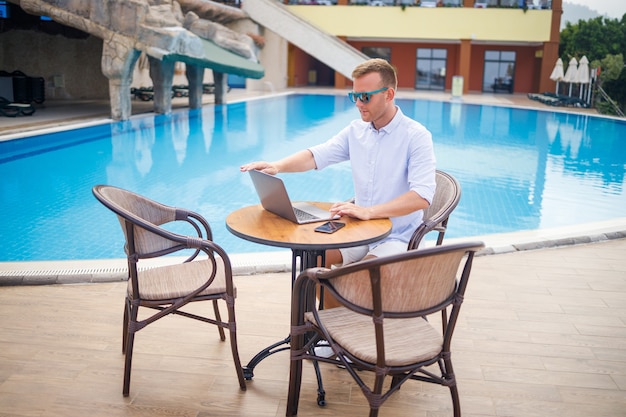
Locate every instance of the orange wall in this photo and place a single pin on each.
(403, 57)
(302, 63)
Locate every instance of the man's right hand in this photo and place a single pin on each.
(262, 166)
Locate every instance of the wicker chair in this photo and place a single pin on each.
(382, 325)
(436, 216)
(169, 288)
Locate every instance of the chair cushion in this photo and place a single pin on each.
(407, 341)
(174, 281)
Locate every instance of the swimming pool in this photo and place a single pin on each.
(520, 169)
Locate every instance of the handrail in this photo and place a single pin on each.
(611, 102)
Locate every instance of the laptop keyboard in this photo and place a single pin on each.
(303, 215)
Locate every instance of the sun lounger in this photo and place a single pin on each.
(568, 101)
(25, 89)
(180, 91)
(552, 99)
(143, 93)
(147, 93)
(12, 109)
(542, 98)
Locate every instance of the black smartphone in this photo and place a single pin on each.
(329, 227)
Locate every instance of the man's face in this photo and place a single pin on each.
(378, 102)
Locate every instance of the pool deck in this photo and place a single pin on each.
(542, 332)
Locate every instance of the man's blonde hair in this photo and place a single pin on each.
(385, 69)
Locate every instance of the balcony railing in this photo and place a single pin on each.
(508, 4)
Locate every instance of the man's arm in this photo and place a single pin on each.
(399, 206)
(297, 162)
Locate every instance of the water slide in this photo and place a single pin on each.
(325, 47)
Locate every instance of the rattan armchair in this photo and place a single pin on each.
(205, 274)
(447, 196)
(382, 324)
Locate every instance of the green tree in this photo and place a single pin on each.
(611, 66)
(594, 38)
(603, 42)
(614, 81)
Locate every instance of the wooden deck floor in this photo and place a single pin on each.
(542, 333)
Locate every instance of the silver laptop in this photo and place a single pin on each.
(274, 198)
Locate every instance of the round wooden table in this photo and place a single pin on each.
(258, 225)
(255, 224)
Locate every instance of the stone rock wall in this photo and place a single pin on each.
(156, 27)
(156, 24)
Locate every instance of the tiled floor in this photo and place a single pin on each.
(542, 333)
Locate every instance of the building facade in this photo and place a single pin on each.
(492, 47)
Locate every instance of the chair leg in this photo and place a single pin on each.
(321, 394)
(373, 412)
(218, 317)
(376, 394)
(130, 340)
(125, 325)
(448, 372)
(295, 382)
(237, 360)
(456, 404)
(232, 327)
(395, 381)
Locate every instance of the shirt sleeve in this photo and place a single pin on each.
(422, 165)
(334, 150)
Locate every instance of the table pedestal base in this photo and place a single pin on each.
(308, 259)
(258, 225)
(248, 370)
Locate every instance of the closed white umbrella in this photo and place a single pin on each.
(582, 74)
(557, 73)
(571, 75)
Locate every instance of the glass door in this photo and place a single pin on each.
(431, 69)
(499, 72)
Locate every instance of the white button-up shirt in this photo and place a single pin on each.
(385, 163)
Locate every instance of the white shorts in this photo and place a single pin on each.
(355, 254)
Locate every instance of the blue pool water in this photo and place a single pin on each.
(519, 169)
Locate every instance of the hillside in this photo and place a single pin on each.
(573, 13)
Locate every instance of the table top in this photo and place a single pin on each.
(255, 224)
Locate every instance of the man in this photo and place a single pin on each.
(392, 159)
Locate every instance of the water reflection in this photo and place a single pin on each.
(526, 168)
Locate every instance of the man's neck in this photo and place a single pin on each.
(386, 119)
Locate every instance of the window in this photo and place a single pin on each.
(431, 69)
(377, 52)
(499, 73)
(496, 3)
